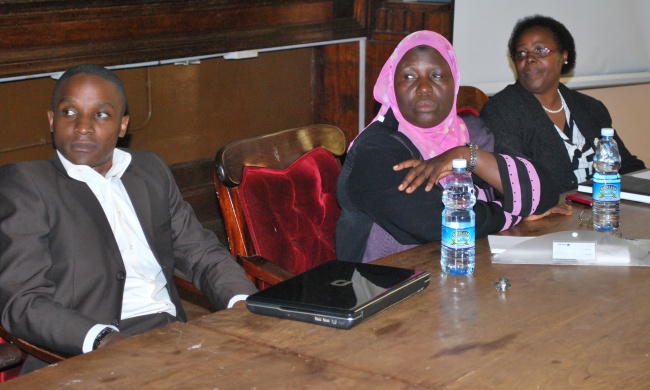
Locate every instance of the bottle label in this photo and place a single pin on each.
(607, 189)
(458, 237)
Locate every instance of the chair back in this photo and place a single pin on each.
(470, 99)
(277, 194)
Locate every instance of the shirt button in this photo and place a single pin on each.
(120, 276)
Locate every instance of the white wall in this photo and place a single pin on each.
(613, 53)
(629, 107)
(612, 40)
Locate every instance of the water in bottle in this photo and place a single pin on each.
(458, 222)
(605, 211)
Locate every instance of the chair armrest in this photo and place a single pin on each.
(183, 282)
(10, 355)
(263, 272)
(46, 355)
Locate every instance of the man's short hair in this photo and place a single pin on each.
(90, 69)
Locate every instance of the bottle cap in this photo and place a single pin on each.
(607, 132)
(459, 163)
(502, 284)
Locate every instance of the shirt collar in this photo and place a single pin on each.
(121, 161)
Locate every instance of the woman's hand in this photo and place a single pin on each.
(431, 170)
(560, 208)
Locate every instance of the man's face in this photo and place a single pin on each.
(87, 121)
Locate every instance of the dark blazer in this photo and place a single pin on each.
(522, 128)
(61, 271)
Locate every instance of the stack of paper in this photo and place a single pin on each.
(580, 247)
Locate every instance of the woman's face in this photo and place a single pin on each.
(539, 75)
(424, 87)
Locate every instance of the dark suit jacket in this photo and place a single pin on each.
(60, 268)
(522, 128)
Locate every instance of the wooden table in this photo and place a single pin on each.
(558, 327)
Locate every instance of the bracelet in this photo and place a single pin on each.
(105, 332)
(473, 149)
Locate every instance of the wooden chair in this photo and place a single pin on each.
(44, 354)
(10, 356)
(277, 194)
(11, 359)
(472, 97)
(15, 349)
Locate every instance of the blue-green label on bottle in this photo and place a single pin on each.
(607, 188)
(460, 237)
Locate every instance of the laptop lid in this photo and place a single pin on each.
(338, 294)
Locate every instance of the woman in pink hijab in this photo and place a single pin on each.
(412, 140)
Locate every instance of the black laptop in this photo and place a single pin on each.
(339, 294)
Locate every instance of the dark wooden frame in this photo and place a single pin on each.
(42, 36)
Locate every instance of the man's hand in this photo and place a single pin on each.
(112, 338)
(241, 303)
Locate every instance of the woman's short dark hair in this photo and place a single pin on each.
(90, 69)
(560, 33)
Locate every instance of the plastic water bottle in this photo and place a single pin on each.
(458, 222)
(605, 211)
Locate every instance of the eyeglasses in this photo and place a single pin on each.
(540, 52)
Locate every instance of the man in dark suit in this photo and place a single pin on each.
(89, 240)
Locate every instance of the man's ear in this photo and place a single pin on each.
(50, 118)
(124, 125)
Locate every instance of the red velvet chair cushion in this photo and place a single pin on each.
(468, 110)
(292, 213)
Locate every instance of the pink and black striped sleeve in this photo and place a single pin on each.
(528, 189)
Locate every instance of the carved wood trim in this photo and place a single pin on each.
(46, 36)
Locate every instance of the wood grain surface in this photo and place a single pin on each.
(557, 327)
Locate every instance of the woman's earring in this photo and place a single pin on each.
(566, 62)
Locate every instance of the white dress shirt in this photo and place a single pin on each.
(145, 288)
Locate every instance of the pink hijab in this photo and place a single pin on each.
(429, 141)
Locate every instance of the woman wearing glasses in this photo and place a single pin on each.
(540, 118)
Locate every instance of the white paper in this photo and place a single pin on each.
(574, 250)
(610, 250)
(499, 244)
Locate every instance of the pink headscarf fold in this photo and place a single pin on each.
(447, 134)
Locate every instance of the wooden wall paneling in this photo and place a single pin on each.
(44, 36)
(336, 87)
(194, 179)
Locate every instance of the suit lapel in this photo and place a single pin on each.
(139, 195)
(89, 202)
